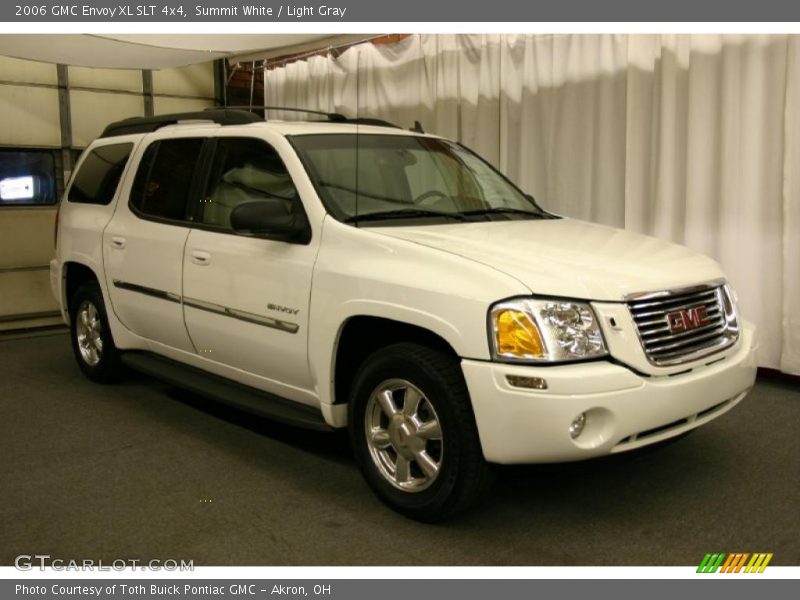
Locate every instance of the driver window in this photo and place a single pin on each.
(244, 169)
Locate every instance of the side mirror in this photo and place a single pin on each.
(272, 218)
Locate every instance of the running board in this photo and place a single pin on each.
(224, 390)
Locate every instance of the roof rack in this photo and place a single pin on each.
(228, 115)
(333, 117)
(221, 116)
(371, 121)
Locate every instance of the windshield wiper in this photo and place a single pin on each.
(504, 210)
(404, 213)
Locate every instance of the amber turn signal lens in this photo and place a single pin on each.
(517, 335)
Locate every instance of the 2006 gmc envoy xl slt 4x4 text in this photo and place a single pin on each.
(342, 272)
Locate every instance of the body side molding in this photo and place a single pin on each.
(211, 307)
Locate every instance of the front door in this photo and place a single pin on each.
(246, 299)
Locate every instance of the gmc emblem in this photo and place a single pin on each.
(684, 320)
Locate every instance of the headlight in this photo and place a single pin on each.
(544, 330)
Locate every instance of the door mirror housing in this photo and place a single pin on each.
(272, 218)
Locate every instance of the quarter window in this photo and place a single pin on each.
(97, 180)
(243, 170)
(165, 178)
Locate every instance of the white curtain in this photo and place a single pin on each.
(693, 138)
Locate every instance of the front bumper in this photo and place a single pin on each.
(623, 410)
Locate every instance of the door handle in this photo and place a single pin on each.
(201, 257)
(118, 242)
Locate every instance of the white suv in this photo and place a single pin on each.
(348, 273)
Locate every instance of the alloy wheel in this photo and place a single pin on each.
(89, 330)
(404, 435)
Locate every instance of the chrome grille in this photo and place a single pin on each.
(680, 326)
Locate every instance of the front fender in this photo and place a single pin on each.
(360, 272)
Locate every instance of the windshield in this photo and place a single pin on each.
(363, 177)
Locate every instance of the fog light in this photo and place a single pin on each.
(576, 427)
(531, 383)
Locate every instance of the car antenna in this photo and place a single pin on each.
(417, 127)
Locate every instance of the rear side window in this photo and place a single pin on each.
(165, 179)
(97, 180)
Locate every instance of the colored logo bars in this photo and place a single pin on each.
(734, 563)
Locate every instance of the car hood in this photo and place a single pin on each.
(566, 257)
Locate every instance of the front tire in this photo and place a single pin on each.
(413, 432)
(92, 344)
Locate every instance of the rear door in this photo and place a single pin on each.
(246, 299)
(144, 242)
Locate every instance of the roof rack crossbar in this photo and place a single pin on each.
(331, 116)
(334, 117)
(150, 124)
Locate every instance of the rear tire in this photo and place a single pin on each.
(413, 432)
(92, 344)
